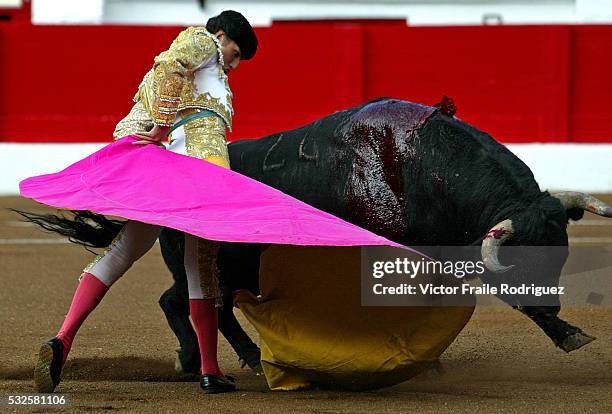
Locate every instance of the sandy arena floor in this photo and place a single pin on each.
(123, 358)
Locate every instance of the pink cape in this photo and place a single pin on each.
(156, 186)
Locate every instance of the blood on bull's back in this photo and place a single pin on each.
(401, 169)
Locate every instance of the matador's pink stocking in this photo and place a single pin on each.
(88, 295)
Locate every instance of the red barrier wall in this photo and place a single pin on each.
(519, 83)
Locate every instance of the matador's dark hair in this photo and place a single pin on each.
(237, 28)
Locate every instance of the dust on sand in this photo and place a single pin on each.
(123, 357)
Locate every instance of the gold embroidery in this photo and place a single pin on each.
(170, 86)
(138, 120)
(206, 101)
(209, 273)
(205, 137)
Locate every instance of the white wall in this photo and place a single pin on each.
(67, 11)
(19, 161)
(594, 11)
(576, 167)
(11, 3)
(261, 13)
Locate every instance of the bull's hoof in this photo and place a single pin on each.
(184, 365)
(252, 358)
(576, 341)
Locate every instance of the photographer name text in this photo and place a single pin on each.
(465, 289)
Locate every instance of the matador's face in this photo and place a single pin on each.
(230, 50)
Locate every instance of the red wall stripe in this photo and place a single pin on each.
(519, 83)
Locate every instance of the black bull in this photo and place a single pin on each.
(402, 170)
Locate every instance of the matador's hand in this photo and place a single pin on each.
(154, 136)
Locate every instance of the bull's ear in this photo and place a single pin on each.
(574, 213)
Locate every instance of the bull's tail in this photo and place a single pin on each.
(81, 227)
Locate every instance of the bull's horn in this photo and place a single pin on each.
(573, 199)
(491, 243)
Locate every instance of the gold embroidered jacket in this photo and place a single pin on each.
(187, 75)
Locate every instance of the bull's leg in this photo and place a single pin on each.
(176, 309)
(175, 302)
(564, 335)
(248, 353)
(239, 268)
